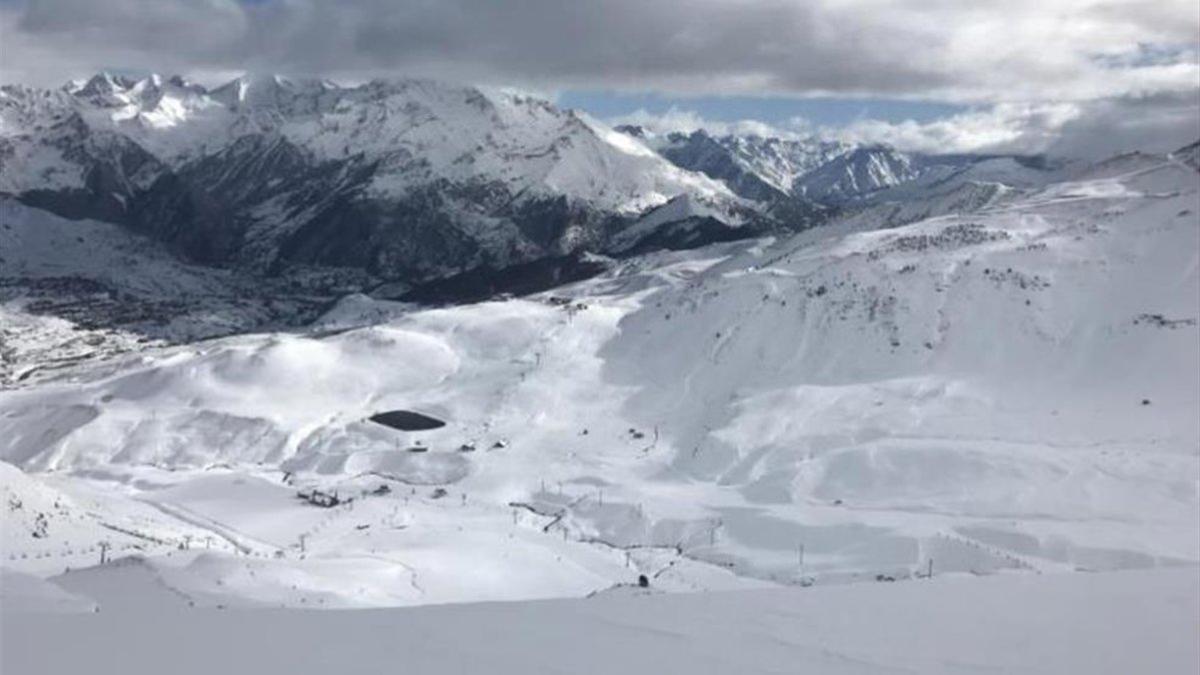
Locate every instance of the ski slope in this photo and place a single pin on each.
(1011, 391)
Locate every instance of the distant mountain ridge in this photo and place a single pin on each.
(810, 170)
(410, 181)
(399, 180)
(761, 168)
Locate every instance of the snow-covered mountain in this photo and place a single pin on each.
(983, 364)
(945, 185)
(412, 180)
(761, 168)
(1010, 389)
(812, 180)
(858, 172)
(405, 179)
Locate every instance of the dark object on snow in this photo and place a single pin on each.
(500, 444)
(407, 420)
(322, 499)
(467, 447)
(438, 493)
(418, 448)
(381, 490)
(1145, 401)
(41, 525)
(643, 581)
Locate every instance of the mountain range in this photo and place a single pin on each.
(407, 181)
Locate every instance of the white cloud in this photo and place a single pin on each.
(687, 121)
(1030, 69)
(1005, 127)
(1087, 129)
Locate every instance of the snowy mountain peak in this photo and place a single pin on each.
(859, 172)
(759, 168)
(102, 85)
(272, 91)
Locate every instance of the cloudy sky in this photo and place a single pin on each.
(1074, 76)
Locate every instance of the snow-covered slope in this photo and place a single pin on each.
(902, 205)
(1100, 624)
(1189, 155)
(407, 179)
(1011, 389)
(941, 186)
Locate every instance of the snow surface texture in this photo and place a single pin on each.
(1008, 391)
(1116, 623)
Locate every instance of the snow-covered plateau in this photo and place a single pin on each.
(816, 422)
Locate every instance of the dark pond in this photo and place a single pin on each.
(407, 420)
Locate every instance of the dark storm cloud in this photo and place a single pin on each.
(1019, 49)
(1030, 69)
(1159, 123)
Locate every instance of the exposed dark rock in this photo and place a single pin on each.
(485, 282)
